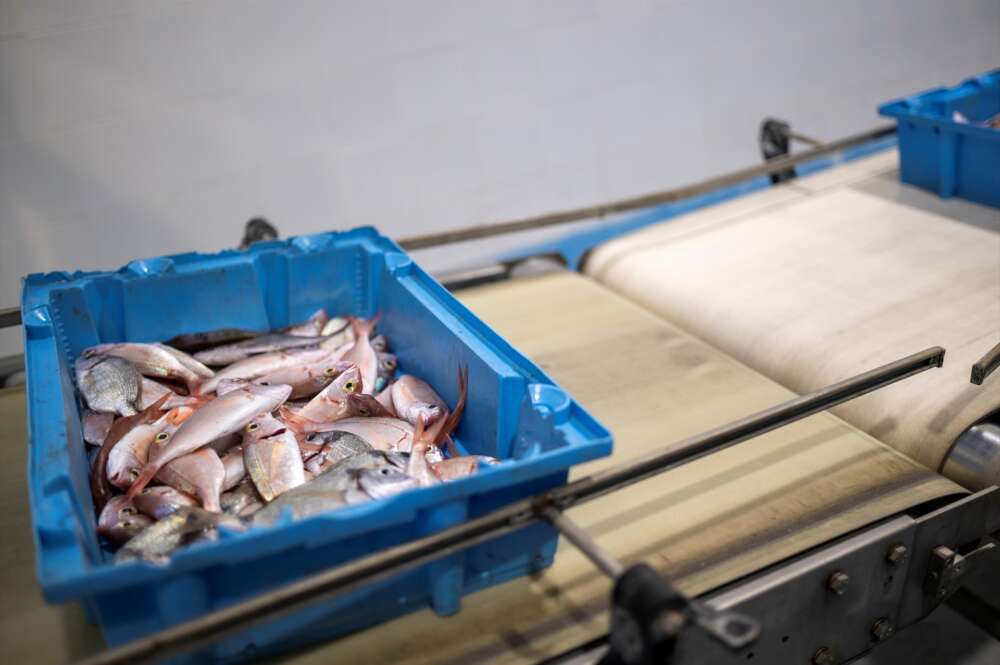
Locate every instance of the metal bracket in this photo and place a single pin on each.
(948, 568)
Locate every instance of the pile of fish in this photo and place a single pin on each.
(294, 422)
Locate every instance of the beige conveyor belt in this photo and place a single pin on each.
(818, 279)
(706, 523)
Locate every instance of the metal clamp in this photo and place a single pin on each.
(948, 567)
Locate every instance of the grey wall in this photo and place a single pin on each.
(139, 128)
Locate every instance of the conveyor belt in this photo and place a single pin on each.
(707, 523)
(814, 280)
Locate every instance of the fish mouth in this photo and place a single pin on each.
(275, 433)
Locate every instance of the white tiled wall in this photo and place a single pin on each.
(133, 128)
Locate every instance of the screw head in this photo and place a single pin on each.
(823, 656)
(837, 582)
(882, 629)
(896, 554)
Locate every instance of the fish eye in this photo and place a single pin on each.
(349, 386)
(127, 510)
(133, 473)
(127, 524)
(384, 471)
(365, 411)
(330, 371)
(253, 427)
(312, 436)
(162, 436)
(264, 383)
(390, 363)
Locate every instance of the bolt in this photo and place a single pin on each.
(837, 582)
(896, 554)
(823, 656)
(882, 629)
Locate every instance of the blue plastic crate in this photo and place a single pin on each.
(514, 412)
(945, 156)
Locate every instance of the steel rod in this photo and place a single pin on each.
(380, 565)
(599, 556)
(644, 201)
(10, 317)
(986, 365)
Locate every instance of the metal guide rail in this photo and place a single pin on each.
(11, 316)
(649, 614)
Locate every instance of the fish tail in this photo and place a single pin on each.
(451, 422)
(453, 451)
(145, 476)
(363, 327)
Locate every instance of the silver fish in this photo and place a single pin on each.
(241, 499)
(381, 433)
(337, 446)
(271, 456)
(312, 326)
(266, 343)
(156, 542)
(386, 481)
(339, 325)
(160, 501)
(109, 384)
(188, 361)
(255, 367)
(96, 426)
(120, 520)
(223, 415)
(199, 474)
(151, 360)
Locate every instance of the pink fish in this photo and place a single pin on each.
(331, 403)
(454, 468)
(362, 354)
(199, 474)
(119, 520)
(232, 462)
(223, 415)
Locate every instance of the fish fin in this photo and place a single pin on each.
(363, 327)
(153, 411)
(146, 475)
(451, 422)
(298, 424)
